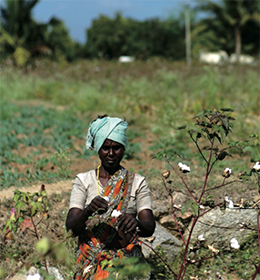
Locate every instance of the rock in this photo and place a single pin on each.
(19, 276)
(179, 198)
(23, 275)
(169, 223)
(55, 272)
(160, 209)
(185, 216)
(170, 244)
(219, 227)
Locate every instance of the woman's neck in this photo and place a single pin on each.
(107, 172)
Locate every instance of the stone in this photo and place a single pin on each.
(168, 222)
(179, 198)
(171, 245)
(55, 272)
(23, 275)
(160, 209)
(218, 227)
(185, 216)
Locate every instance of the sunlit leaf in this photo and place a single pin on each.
(27, 223)
(20, 205)
(33, 207)
(186, 207)
(198, 115)
(225, 122)
(39, 206)
(195, 208)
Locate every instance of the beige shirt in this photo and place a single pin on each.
(84, 189)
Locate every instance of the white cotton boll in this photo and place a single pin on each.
(36, 276)
(183, 167)
(226, 172)
(116, 213)
(230, 202)
(201, 237)
(257, 166)
(234, 243)
(106, 198)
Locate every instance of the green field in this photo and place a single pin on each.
(46, 109)
(48, 106)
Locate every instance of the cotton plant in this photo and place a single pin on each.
(28, 215)
(214, 126)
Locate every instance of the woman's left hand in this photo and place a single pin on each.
(127, 223)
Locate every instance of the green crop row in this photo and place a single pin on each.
(50, 133)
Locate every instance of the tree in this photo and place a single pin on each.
(228, 20)
(21, 36)
(16, 26)
(59, 41)
(111, 38)
(16, 17)
(106, 37)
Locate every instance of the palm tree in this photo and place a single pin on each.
(229, 18)
(16, 25)
(16, 17)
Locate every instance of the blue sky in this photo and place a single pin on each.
(79, 14)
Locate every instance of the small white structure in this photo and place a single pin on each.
(213, 57)
(125, 59)
(243, 59)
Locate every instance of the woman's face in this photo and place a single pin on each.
(111, 154)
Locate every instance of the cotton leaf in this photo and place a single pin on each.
(20, 205)
(198, 115)
(225, 122)
(26, 224)
(43, 246)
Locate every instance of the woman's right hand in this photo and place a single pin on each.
(98, 204)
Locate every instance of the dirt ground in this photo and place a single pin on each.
(59, 192)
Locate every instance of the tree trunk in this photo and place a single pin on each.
(238, 42)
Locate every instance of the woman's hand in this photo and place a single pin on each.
(99, 204)
(76, 217)
(126, 226)
(127, 223)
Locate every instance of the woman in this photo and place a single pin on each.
(108, 205)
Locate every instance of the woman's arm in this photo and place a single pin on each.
(146, 223)
(76, 217)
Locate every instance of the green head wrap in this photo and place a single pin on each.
(106, 128)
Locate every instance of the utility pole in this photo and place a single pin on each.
(187, 28)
